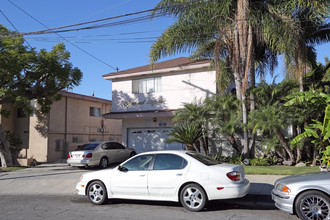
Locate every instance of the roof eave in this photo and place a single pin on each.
(152, 72)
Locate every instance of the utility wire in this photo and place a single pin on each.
(14, 27)
(64, 38)
(122, 3)
(121, 16)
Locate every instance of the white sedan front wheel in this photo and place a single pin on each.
(97, 193)
(193, 197)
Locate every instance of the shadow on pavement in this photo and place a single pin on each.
(35, 175)
(251, 202)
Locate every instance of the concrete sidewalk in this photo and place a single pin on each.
(61, 179)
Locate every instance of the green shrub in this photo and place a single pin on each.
(231, 160)
(260, 162)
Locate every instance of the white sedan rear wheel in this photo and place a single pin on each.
(193, 197)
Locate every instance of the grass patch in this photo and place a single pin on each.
(9, 169)
(279, 170)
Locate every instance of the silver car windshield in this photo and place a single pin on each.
(208, 161)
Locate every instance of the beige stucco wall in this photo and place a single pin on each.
(37, 143)
(68, 118)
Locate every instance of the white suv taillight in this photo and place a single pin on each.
(234, 176)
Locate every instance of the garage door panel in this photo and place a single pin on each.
(150, 140)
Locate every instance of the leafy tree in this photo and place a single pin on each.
(15, 143)
(318, 131)
(26, 75)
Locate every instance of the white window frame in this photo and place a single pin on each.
(146, 85)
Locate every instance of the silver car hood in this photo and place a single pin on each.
(319, 177)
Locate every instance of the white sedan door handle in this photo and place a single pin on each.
(179, 174)
(142, 175)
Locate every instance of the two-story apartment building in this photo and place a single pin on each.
(72, 121)
(146, 98)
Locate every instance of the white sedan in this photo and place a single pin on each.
(180, 176)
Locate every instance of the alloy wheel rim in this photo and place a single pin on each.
(104, 162)
(96, 193)
(314, 207)
(193, 198)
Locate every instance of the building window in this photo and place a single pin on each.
(77, 139)
(59, 144)
(93, 111)
(148, 85)
(95, 139)
(20, 113)
(114, 139)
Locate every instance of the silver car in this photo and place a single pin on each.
(99, 154)
(307, 195)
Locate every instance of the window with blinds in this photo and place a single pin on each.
(148, 85)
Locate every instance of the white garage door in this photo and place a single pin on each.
(152, 139)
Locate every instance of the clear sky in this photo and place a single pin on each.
(124, 46)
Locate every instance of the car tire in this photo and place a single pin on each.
(193, 197)
(104, 163)
(97, 193)
(313, 205)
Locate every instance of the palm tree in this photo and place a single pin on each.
(186, 133)
(271, 116)
(226, 118)
(231, 26)
(305, 25)
(197, 114)
(214, 20)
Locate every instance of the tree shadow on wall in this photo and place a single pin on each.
(42, 124)
(123, 102)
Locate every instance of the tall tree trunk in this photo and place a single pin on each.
(284, 143)
(5, 154)
(315, 154)
(252, 107)
(299, 155)
(202, 144)
(233, 143)
(196, 148)
(245, 151)
(278, 151)
(242, 62)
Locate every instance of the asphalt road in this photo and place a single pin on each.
(47, 192)
(35, 207)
